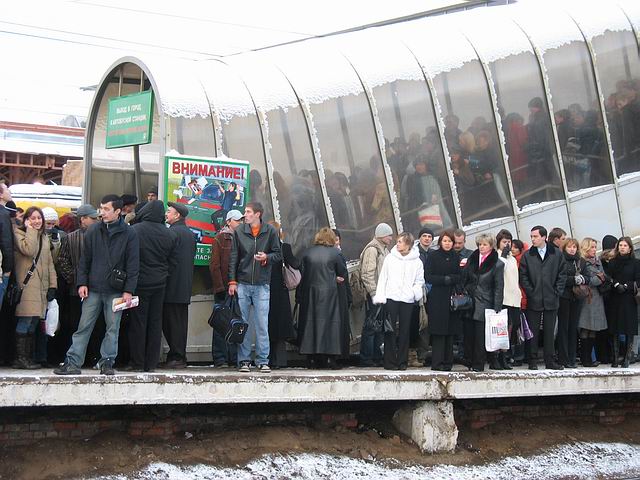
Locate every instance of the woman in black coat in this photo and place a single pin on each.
(443, 273)
(624, 271)
(346, 299)
(280, 318)
(320, 327)
(484, 280)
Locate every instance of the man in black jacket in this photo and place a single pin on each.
(157, 259)
(177, 295)
(108, 269)
(255, 249)
(6, 240)
(543, 273)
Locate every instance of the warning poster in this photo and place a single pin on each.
(209, 188)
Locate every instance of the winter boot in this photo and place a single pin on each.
(616, 351)
(23, 359)
(586, 347)
(494, 364)
(504, 361)
(629, 354)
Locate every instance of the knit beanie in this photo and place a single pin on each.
(424, 230)
(383, 230)
(50, 215)
(609, 242)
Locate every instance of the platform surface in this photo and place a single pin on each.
(208, 385)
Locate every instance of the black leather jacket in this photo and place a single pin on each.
(243, 267)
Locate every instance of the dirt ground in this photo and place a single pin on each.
(115, 452)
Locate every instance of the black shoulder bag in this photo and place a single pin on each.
(14, 290)
(117, 278)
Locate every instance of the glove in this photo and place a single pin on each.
(579, 279)
(447, 280)
(505, 251)
(51, 294)
(620, 287)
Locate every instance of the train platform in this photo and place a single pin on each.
(208, 385)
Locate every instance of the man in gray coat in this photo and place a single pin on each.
(543, 274)
(177, 294)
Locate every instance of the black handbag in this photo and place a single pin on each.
(117, 278)
(13, 294)
(461, 300)
(373, 321)
(226, 320)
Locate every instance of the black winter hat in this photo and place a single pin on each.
(609, 242)
(426, 230)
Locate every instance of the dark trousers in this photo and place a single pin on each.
(568, 315)
(474, 347)
(221, 351)
(278, 354)
(396, 342)
(370, 341)
(534, 318)
(175, 322)
(442, 352)
(145, 330)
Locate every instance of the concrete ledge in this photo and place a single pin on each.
(210, 386)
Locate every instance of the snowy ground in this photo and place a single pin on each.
(576, 461)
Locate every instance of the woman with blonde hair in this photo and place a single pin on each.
(399, 288)
(33, 254)
(592, 314)
(319, 325)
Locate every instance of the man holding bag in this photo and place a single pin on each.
(108, 269)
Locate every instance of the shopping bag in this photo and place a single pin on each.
(524, 329)
(496, 330)
(52, 318)
(430, 215)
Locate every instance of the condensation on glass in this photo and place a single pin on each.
(523, 109)
(616, 50)
(576, 106)
(241, 135)
(296, 179)
(355, 179)
(412, 143)
(470, 130)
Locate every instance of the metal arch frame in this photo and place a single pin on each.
(498, 123)
(437, 112)
(315, 147)
(603, 112)
(381, 147)
(93, 115)
(635, 31)
(547, 93)
(266, 145)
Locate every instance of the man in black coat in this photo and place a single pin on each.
(157, 259)
(177, 295)
(543, 274)
(109, 246)
(6, 240)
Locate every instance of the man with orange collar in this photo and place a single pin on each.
(255, 249)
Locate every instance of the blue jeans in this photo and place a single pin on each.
(91, 308)
(27, 325)
(3, 287)
(258, 320)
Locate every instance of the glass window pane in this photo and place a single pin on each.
(575, 102)
(299, 196)
(241, 135)
(342, 120)
(616, 50)
(412, 141)
(526, 125)
(470, 130)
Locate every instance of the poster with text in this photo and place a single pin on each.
(208, 188)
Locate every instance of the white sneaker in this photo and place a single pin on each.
(245, 367)
(264, 368)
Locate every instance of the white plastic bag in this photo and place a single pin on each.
(51, 321)
(496, 330)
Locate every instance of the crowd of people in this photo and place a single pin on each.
(424, 304)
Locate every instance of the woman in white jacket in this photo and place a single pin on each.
(399, 288)
(512, 295)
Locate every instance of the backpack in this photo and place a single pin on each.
(227, 321)
(358, 292)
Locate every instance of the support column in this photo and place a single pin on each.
(429, 424)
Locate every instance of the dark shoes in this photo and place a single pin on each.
(554, 366)
(67, 369)
(131, 368)
(107, 368)
(174, 365)
(533, 366)
(570, 365)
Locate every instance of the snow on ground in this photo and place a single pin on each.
(576, 461)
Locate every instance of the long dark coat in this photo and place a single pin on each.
(280, 319)
(180, 279)
(623, 315)
(543, 280)
(320, 323)
(442, 321)
(345, 298)
(573, 262)
(484, 284)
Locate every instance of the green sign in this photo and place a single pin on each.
(203, 254)
(130, 120)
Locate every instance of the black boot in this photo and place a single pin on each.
(629, 353)
(494, 364)
(616, 351)
(503, 361)
(23, 359)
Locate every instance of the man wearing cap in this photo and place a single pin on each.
(71, 249)
(128, 203)
(371, 260)
(6, 240)
(177, 294)
(223, 353)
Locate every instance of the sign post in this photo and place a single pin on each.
(130, 120)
